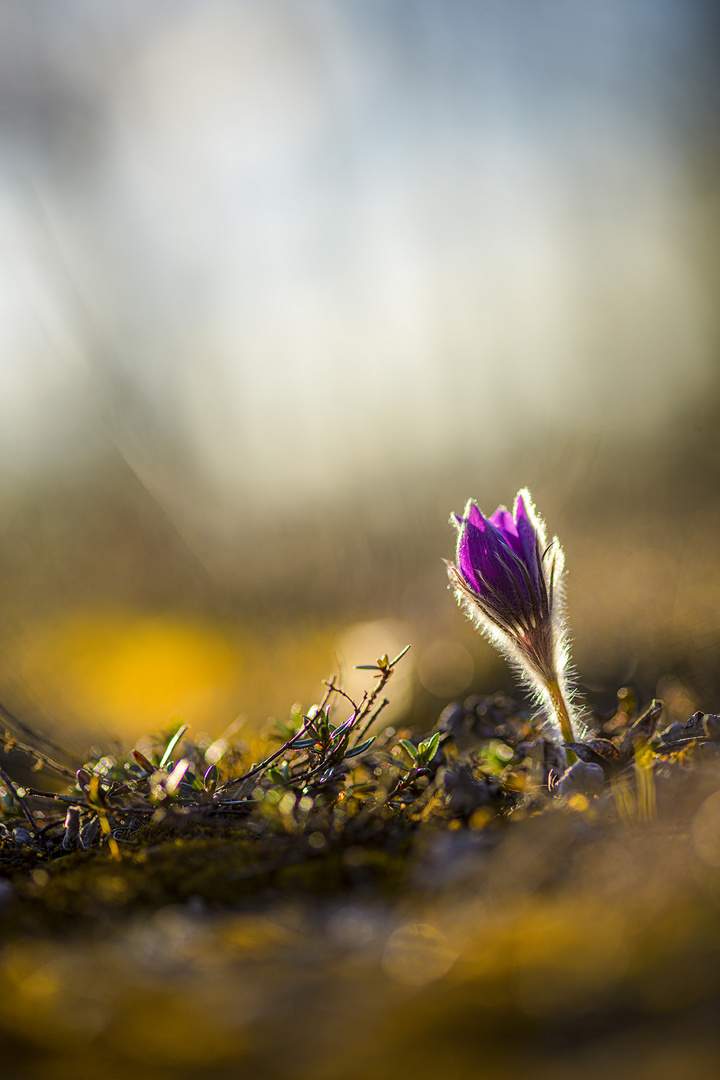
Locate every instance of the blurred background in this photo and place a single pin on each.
(282, 285)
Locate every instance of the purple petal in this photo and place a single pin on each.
(475, 515)
(500, 570)
(521, 512)
(485, 560)
(504, 522)
(465, 557)
(471, 547)
(528, 536)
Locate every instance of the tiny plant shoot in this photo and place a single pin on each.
(510, 580)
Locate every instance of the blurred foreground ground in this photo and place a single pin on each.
(580, 941)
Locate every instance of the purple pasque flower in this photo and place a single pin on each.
(510, 580)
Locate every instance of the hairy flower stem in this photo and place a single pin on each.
(562, 714)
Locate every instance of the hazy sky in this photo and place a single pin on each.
(311, 239)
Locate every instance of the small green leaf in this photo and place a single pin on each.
(361, 748)
(165, 760)
(429, 747)
(411, 750)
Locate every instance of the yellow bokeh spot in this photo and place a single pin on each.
(132, 670)
(127, 673)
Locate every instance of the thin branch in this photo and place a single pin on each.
(371, 721)
(21, 803)
(10, 744)
(268, 761)
(30, 732)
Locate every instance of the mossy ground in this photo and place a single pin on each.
(212, 872)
